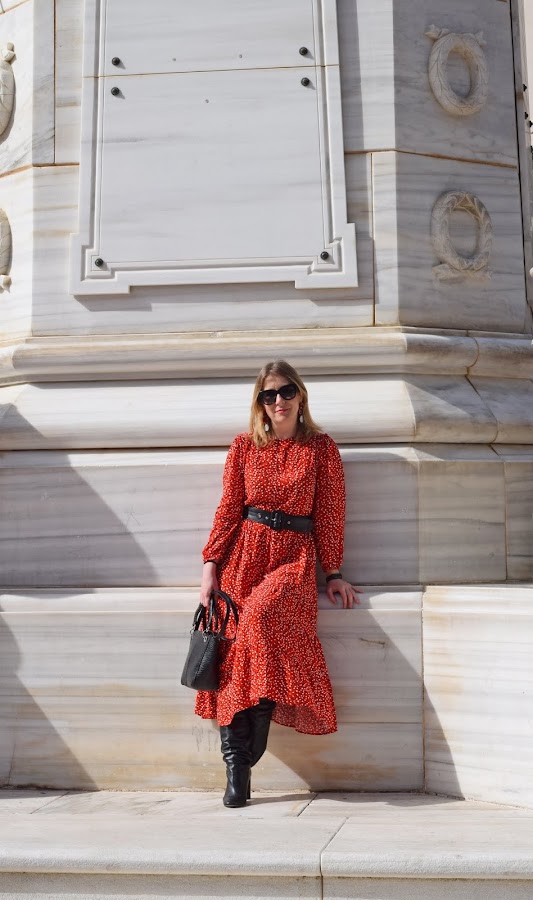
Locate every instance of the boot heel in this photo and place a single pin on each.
(237, 787)
(249, 791)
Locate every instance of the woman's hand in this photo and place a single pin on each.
(347, 591)
(209, 582)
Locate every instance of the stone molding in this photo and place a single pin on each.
(469, 46)
(191, 413)
(454, 266)
(237, 354)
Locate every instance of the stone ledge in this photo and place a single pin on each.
(358, 409)
(104, 843)
(236, 354)
(388, 835)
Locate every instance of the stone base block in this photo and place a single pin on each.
(90, 696)
(424, 513)
(478, 678)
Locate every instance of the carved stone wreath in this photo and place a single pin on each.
(7, 87)
(5, 250)
(469, 47)
(455, 267)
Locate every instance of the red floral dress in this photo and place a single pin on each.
(271, 576)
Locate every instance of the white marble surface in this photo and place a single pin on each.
(332, 351)
(428, 847)
(478, 674)
(16, 298)
(29, 137)
(461, 510)
(389, 805)
(518, 469)
(94, 677)
(141, 517)
(503, 357)
(236, 203)
(103, 843)
(460, 845)
(16, 141)
(511, 402)
(158, 805)
(68, 64)
(185, 414)
(406, 187)
(355, 409)
(206, 36)
(388, 102)
(424, 889)
(202, 147)
(449, 409)
(161, 309)
(153, 887)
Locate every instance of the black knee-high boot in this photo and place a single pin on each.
(236, 752)
(260, 717)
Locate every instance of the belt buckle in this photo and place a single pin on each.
(276, 519)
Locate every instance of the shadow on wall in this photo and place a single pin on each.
(373, 655)
(68, 697)
(89, 678)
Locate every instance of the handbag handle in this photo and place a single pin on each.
(208, 618)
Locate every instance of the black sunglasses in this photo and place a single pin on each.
(286, 391)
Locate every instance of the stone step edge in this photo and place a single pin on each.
(212, 845)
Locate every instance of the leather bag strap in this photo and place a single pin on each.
(208, 618)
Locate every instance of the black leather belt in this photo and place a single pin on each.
(277, 519)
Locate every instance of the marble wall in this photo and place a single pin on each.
(90, 695)
(114, 429)
(426, 514)
(478, 681)
(396, 133)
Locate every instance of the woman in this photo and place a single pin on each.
(283, 504)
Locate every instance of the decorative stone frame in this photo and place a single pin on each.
(5, 250)
(456, 267)
(469, 46)
(334, 263)
(7, 86)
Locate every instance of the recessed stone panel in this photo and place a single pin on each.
(211, 155)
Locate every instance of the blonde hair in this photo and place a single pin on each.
(306, 429)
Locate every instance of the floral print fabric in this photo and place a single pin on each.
(271, 576)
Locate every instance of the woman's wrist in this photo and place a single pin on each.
(333, 575)
(212, 561)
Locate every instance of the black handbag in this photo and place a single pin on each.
(200, 671)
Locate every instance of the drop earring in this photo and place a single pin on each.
(266, 426)
(301, 415)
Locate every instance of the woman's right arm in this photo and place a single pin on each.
(209, 581)
(227, 518)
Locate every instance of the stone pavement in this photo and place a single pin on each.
(143, 845)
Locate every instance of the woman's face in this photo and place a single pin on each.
(282, 412)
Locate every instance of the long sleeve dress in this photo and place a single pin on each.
(271, 576)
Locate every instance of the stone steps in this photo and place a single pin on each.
(147, 845)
